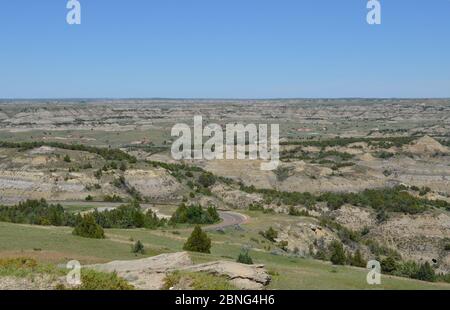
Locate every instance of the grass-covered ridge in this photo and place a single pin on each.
(106, 153)
(396, 199)
(384, 142)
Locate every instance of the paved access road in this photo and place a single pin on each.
(229, 218)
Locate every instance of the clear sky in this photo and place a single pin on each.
(224, 49)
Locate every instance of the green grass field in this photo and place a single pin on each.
(58, 245)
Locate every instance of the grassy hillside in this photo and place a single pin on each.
(58, 245)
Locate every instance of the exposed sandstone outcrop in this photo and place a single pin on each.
(157, 183)
(149, 273)
(237, 198)
(426, 146)
(417, 237)
(354, 218)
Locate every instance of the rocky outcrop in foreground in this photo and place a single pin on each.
(149, 273)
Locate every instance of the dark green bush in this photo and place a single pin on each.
(138, 248)
(389, 265)
(88, 228)
(337, 253)
(198, 241)
(128, 216)
(195, 214)
(424, 190)
(113, 198)
(425, 273)
(407, 269)
(283, 244)
(244, 258)
(207, 179)
(37, 212)
(357, 259)
(270, 234)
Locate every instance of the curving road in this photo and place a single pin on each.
(229, 218)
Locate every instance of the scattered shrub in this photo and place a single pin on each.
(98, 174)
(244, 257)
(270, 234)
(424, 190)
(425, 273)
(198, 241)
(207, 179)
(357, 259)
(255, 207)
(382, 216)
(123, 166)
(389, 265)
(337, 253)
(113, 198)
(138, 248)
(95, 280)
(295, 212)
(283, 245)
(282, 173)
(88, 228)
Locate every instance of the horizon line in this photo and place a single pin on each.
(225, 99)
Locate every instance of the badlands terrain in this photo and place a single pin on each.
(370, 176)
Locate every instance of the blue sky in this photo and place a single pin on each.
(224, 49)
